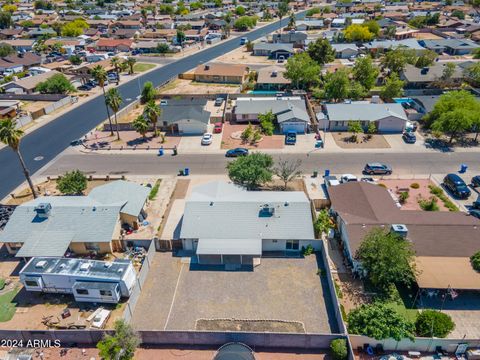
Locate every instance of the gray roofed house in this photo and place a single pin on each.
(311, 24)
(296, 38)
(273, 50)
(224, 220)
(272, 78)
(344, 51)
(387, 117)
(411, 44)
(291, 112)
(420, 77)
(451, 46)
(185, 116)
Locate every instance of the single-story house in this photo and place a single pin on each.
(387, 117)
(221, 73)
(274, 51)
(291, 112)
(53, 225)
(345, 51)
(313, 24)
(184, 116)
(408, 44)
(451, 46)
(272, 78)
(226, 224)
(27, 85)
(9, 108)
(19, 62)
(114, 44)
(421, 77)
(442, 241)
(20, 44)
(149, 46)
(297, 38)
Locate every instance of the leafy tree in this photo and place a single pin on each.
(10, 8)
(252, 170)
(433, 323)
(322, 223)
(166, 9)
(475, 261)
(448, 71)
(130, 62)
(426, 59)
(75, 60)
(148, 93)
(72, 183)
(5, 20)
(267, 122)
(180, 37)
(380, 322)
(337, 85)
(372, 129)
(418, 22)
(292, 20)
(472, 74)
(395, 60)
(43, 5)
(115, 62)
(27, 24)
(387, 258)
(339, 350)
(365, 72)
(355, 32)
(152, 111)
(390, 32)
(356, 91)
(162, 48)
(432, 19)
(282, 10)
(458, 14)
(99, 74)
(313, 11)
(247, 133)
(393, 87)
(454, 122)
(6, 49)
(74, 28)
(120, 346)
(288, 170)
(245, 22)
(240, 10)
(356, 128)
(114, 101)
(56, 84)
(321, 51)
(141, 125)
(373, 27)
(302, 70)
(11, 136)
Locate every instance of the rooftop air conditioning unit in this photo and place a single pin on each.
(400, 229)
(42, 264)
(43, 210)
(274, 74)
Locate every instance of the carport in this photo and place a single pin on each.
(228, 251)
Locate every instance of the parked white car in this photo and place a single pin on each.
(207, 139)
(348, 178)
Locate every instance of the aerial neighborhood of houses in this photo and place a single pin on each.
(230, 179)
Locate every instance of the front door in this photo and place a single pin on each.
(292, 245)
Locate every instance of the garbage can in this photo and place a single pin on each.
(315, 173)
(463, 168)
(160, 152)
(175, 151)
(318, 144)
(180, 172)
(327, 172)
(187, 171)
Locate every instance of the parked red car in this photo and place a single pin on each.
(217, 129)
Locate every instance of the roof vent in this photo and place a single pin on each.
(266, 211)
(43, 210)
(274, 74)
(399, 229)
(424, 71)
(85, 266)
(42, 264)
(207, 67)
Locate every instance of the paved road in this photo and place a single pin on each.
(51, 139)
(404, 164)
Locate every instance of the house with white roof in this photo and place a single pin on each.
(226, 224)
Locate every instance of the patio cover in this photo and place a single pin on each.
(445, 272)
(48, 243)
(229, 247)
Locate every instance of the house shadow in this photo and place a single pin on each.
(464, 301)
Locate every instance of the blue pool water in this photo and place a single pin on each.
(402, 100)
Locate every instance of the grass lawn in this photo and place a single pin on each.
(7, 307)
(141, 67)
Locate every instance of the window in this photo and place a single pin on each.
(105, 293)
(91, 246)
(82, 291)
(293, 244)
(31, 283)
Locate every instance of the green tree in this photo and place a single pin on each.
(313, 11)
(472, 74)
(302, 70)
(393, 87)
(387, 258)
(74, 28)
(282, 10)
(355, 33)
(323, 223)
(148, 93)
(99, 74)
(247, 133)
(6, 49)
(355, 128)
(426, 59)
(287, 170)
(267, 122)
(380, 322)
(115, 62)
(121, 345)
(252, 170)
(475, 261)
(5, 20)
(240, 10)
(395, 60)
(72, 183)
(130, 62)
(180, 37)
(292, 20)
(373, 27)
(337, 85)
(418, 22)
(11, 136)
(365, 72)
(433, 323)
(454, 123)
(372, 129)
(56, 84)
(448, 71)
(162, 48)
(338, 349)
(390, 32)
(75, 60)
(152, 111)
(458, 14)
(244, 23)
(141, 125)
(114, 101)
(321, 51)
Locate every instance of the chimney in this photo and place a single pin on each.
(43, 210)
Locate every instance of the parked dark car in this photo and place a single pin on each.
(377, 169)
(456, 186)
(77, 142)
(476, 203)
(475, 212)
(236, 152)
(409, 137)
(291, 138)
(85, 87)
(475, 181)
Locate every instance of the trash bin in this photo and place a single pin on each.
(327, 172)
(175, 151)
(160, 152)
(315, 173)
(463, 168)
(187, 171)
(318, 144)
(180, 172)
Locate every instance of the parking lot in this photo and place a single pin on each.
(280, 289)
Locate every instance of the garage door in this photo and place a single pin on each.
(297, 127)
(192, 127)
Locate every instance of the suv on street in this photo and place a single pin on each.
(409, 137)
(456, 186)
(377, 169)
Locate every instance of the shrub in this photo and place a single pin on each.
(307, 250)
(429, 204)
(475, 261)
(338, 347)
(2, 284)
(72, 183)
(433, 323)
(415, 185)
(435, 190)
(383, 185)
(154, 191)
(247, 133)
(403, 197)
(338, 290)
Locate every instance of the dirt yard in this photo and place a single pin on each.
(267, 142)
(241, 56)
(180, 86)
(342, 139)
(102, 140)
(249, 325)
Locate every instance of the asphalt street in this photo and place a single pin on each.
(201, 164)
(44, 144)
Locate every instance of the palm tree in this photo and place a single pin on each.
(11, 136)
(100, 76)
(131, 63)
(292, 20)
(114, 100)
(144, 14)
(152, 111)
(282, 11)
(115, 62)
(141, 125)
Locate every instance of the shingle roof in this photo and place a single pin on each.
(184, 109)
(431, 73)
(265, 75)
(364, 111)
(220, 210)
(221, 69)
(273, 47)
(262, 105)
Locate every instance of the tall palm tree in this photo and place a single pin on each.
(144, 14)
(100, 76)
(141, 125)
(152, 111)
(114, 100)
(115, 62)
(131, 63)
(11, 136)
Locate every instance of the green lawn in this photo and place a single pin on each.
(7, 307)
(401, 300)
(141, 67)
